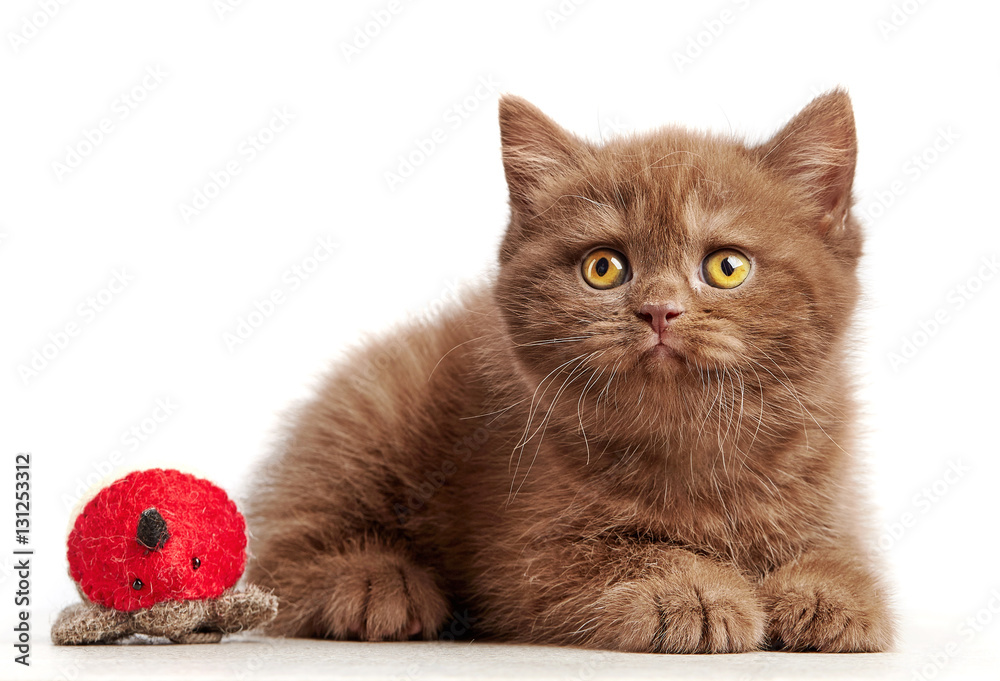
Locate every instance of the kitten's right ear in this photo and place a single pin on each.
(817, 150)
(535, 151)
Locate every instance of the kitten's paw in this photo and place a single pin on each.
(825, 617)
(708, 611)
(381, 597)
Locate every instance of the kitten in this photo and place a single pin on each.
(636, 436)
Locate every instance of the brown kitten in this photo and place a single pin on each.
(637, 436)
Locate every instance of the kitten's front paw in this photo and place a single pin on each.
(705, 611)
(381, 597)
(807, 614)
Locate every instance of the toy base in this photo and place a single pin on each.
(180, 621)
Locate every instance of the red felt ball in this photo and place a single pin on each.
(157, 535)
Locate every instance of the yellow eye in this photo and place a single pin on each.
(605, 268)
(725, 268)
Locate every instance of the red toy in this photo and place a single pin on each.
(158, 552)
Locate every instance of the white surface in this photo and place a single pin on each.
(598, 67)
(256, 658)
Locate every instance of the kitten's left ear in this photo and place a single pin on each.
(818, 151)
(535, 151)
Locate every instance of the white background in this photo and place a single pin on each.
(922, 78)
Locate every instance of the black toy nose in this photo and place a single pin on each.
(152, 531)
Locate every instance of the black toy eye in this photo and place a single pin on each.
(137, 584)
(195, 563)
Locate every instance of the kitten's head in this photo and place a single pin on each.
(674, 273)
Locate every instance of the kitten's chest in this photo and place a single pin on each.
(567, 489)
(752, 526)
(755, 533)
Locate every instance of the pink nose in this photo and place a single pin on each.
(659, 314)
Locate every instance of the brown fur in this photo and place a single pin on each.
(522, 457)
